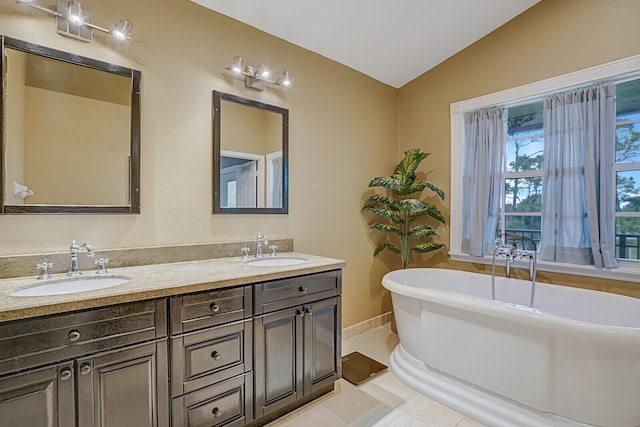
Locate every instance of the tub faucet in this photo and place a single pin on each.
(261, 240)
(509, 251)
(74, 268)
(531, 253)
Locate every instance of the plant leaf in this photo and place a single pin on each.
(386, 182)
(406, 170)
(387, 228)
(411, 205)
(430, 210)
(390, 202)
(428, 247)
(435, 189)
(422, 232)
(408, 189)
(393, 248)
(384, 213)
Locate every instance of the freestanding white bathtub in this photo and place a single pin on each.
(573, 360)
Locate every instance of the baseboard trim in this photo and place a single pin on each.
(367, 325)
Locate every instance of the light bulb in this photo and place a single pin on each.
(237, 65)
(122, 30)
(75, 15)
(284, 80)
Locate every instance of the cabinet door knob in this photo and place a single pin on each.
(65, 374)
(74, 335)
(85, 369)
(216, 412)
(299, 313)
(215, 355)
(308, 311)
(302, 289)
(214, 307)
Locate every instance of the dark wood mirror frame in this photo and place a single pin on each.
(134, 170)
(218, 97)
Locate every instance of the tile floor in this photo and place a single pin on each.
(347, 402)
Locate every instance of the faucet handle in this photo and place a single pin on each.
(273, 248)
(102, 265)
(245, 252)
(44, 270)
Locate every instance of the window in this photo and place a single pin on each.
(521, 209)
(627, 170)
(521, 203)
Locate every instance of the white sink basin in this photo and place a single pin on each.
(69, 286)
(276, 261)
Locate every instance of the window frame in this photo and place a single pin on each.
(626, 67)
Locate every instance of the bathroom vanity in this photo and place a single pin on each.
(203, 343)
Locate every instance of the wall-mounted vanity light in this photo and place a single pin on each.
(256, 77)
(75, 22)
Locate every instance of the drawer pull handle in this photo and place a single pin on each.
(74, 335)
(65, 374)
(215, 355)
(303, 289)
(308, 311)
(216, 412)
(214, 307)
(299, 313)
(85, 369)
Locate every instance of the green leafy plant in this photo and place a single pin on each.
(401, 209)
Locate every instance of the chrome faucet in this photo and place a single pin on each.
(532, 255)
(74, 268)
(511, 253)
(261, 240)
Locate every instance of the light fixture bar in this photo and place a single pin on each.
(75, 22)
(256, 77)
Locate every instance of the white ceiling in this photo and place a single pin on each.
(393, 41)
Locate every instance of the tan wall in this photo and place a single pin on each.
(249, 130)
(550, 39)
(343, 131)
(76, 164)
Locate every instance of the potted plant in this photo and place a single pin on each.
(402, 207)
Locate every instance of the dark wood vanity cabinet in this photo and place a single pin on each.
(226, 357)
(297, 341)
(96, 368)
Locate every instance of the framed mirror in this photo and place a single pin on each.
(250, 156)
(70, 132)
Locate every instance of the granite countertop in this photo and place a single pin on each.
(153, 281)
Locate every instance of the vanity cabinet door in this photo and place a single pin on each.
(322, 346)
(39, 397)
(278, 367)
(122, 388)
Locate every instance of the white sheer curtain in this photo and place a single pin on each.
(482, 179)
(578, 207)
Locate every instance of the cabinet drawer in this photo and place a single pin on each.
(279, 294)
(228, 403)
(212, 355)
(32, 342)
(204, 309)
